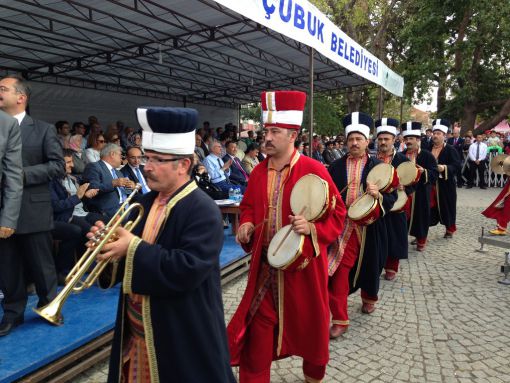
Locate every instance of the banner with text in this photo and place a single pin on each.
(303, 22)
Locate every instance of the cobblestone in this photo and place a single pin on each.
(444, 319)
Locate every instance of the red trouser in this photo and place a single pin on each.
(391, 264)
(257, 353)
(339, 284)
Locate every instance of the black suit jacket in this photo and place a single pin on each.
(107, 200)
(42, 161)
(128, 172)
(235, 173)
(458, 146)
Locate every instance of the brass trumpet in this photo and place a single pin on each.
(74, 283)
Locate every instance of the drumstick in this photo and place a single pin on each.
(349, 184)
(259, 224)
(288, 232)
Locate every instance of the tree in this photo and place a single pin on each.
(461, 46)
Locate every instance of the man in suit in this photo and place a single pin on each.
(31, 245)
(458, 143)
(103, 175)
(426, 142)
(238, 174)
(134, 168)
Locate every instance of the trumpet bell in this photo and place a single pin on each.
(498, 164)
(51, 312)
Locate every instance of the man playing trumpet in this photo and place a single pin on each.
(170, 325)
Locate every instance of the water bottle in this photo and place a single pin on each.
(239, 194)
(231, 194)
(236, 193)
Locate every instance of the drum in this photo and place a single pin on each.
(401, 201)
(310, 193)
(365, 210)
(409, 173)
(384, 176)
(285, 250)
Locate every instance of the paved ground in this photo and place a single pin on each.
(444, 319)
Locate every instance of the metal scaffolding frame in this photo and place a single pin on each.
(192, 51)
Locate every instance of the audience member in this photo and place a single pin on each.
(95, 144)
(328, 154)
(198, 148)
(218, 170)
(262, 152)
(31, 246)
(458, 143)
(134, 168)
(79, 128)
(112, 185)
(79, 162)
(63, 133)
(317, 153)
(477, 156)
(250, 159)
(72, 221)
(238, 174)
(426, 141)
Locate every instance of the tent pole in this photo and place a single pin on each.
(311, 57)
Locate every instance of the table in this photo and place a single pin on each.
(234, 211)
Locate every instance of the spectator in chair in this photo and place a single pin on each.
(218, 170)
(238, 175)
(134, 168)
(72, 221)
(250, 159)
(95, 143)
(113, 187)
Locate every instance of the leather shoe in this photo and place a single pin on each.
(390, 275)
(448, 235)
(337, 330)
(367, 308)
(413, 242)
(7, 326)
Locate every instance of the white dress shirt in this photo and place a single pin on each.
(20, 116)
(139, 174)
(482, 155)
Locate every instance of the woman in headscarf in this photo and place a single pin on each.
(135, 139)
(75, 144)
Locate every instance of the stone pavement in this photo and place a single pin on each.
(444, 319)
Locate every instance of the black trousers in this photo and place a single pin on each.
(72, 237)
(31, 251)
(473, 169)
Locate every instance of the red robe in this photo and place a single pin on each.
(304, 316)
(500, 208)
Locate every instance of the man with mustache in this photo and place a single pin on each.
(443, 203)
(396, 222)
(357, 257)
(419, 211)
(170, 324)
(280, 307)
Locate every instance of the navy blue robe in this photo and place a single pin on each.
(446, 188)
(375, 251)
(420, 209)
(181, 276)
(396, 222)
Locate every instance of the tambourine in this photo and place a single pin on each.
(285, 251)
(401, 201)
(409, 173)
(365, 210)
(310, 193)
(384, 176)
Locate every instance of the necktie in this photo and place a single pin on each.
(238, 164)
(119, 190)
(219, 164)
(455, 141)
(478, 151)
(140, 179)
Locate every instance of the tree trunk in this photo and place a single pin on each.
(353, 101)
(468, 117)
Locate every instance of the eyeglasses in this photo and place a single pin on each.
(158, 161)
(4, 89)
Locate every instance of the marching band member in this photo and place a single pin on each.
(357, 257)
(500, 210)
(396, 222)
(280, 308)
(419, 212)
(443, 199)
(170, 325)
